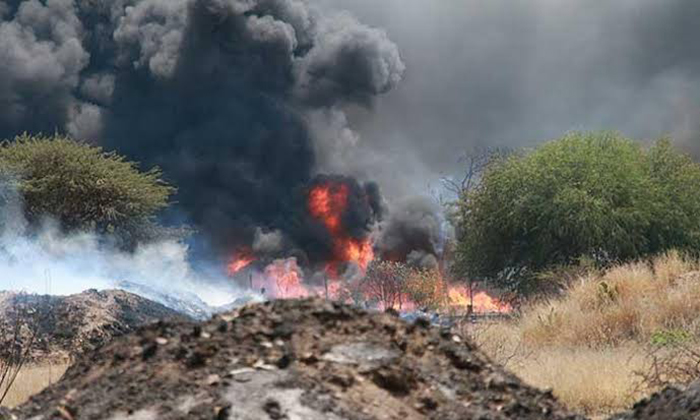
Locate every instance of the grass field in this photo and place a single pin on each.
(592, 346)
(31, 380)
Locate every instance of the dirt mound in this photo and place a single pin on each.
(293, 360)
(59, 327)
(670, 404)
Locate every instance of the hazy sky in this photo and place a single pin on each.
(513, 73)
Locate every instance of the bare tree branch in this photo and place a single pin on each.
(474, 165)
(17, 345)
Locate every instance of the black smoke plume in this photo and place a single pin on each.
(415, 232)
(218, 93)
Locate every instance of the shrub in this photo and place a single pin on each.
(83, 187)
(426, 288)
(384, 283)
(597, 196)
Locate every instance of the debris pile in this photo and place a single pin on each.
(291, 359)
(61, 327)
(672, 403)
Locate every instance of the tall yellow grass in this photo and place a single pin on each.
(590, 381)
(590, 345)
(629, 302)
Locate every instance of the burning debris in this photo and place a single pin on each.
(473, 301)
(382, 285)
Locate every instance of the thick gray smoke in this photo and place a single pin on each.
(225, 95)
(416, 232)
(499, 73)
(244, 102)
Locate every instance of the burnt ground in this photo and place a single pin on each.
(292, 360)
(61, 327)
(670, 404)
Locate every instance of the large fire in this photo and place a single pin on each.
(283, 279)
(481, 302)
(327, 203)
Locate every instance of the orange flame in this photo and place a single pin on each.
(284, 280)
(483, 303)
(327, 203)
(240, 262)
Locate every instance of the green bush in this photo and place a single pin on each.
(83, 187)
(598, 196)
(673, 337)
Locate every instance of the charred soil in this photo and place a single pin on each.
(304, 359)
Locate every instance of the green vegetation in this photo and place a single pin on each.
(590, 196)
(670, 337)
(83, 187)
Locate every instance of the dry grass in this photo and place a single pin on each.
(593, 382)
(630, 302)
(32, 380)
(590, 346)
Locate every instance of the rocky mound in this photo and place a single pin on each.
(294, 360)
(670, 404)
(59, 327)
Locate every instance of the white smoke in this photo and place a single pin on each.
(52, 262)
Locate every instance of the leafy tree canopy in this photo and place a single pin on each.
(83, 187)
(589, 195)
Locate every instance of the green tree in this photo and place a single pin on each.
(587, 195)
(83, 187)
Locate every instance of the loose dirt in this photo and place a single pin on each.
(670, 404)
(62, 327)
(292, 360)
